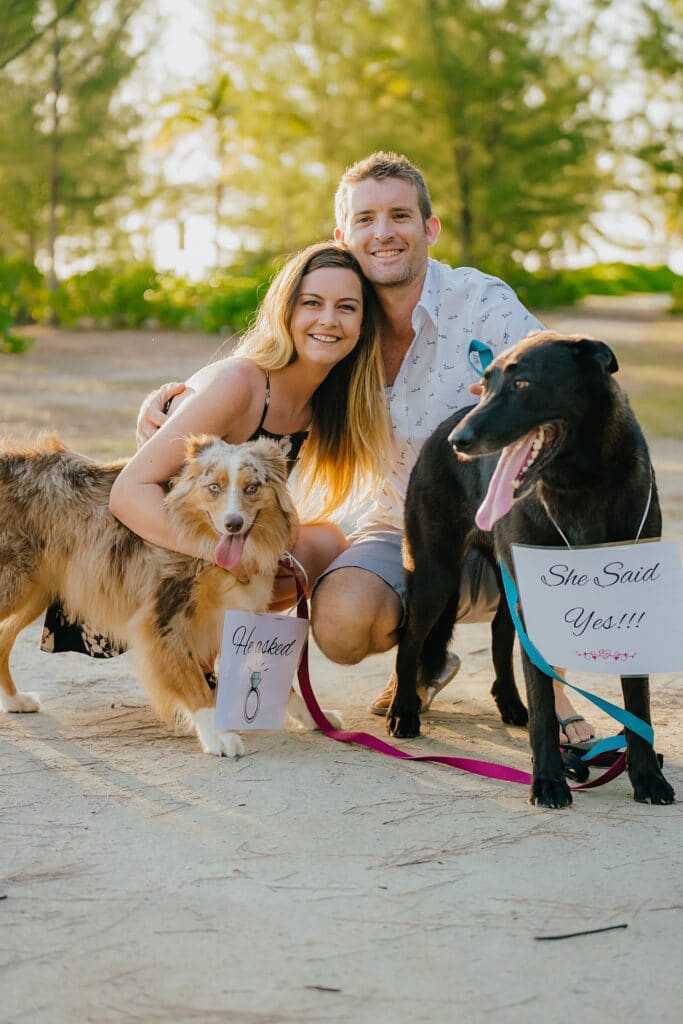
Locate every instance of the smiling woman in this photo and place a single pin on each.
(309, 374)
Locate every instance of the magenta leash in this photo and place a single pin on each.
(487, 769)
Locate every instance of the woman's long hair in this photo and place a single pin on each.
(346, 454)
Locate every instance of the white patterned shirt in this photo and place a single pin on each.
(456, 305)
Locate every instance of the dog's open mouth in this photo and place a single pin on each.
(517, 466)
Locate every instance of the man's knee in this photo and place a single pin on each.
(354, 615)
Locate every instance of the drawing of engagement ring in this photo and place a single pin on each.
(252, 703)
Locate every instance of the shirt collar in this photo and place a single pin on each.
(427, 303)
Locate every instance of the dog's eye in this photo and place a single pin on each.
(251, 488)
(521, 383)
(214, 489)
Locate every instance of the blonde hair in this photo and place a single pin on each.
(380, 166)
(346, 454)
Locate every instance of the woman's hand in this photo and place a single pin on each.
(152, 415)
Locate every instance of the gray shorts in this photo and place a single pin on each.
(379, 552)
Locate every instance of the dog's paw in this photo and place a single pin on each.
(510, 706)
(20, 703)
(300, 718)
(221, 744)
(653, 788)
(550, 793)
(403, 724)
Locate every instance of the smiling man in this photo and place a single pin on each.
(430, 312)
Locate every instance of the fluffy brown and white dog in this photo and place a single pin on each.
(58, 539)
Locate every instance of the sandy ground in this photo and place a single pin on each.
(309, 881)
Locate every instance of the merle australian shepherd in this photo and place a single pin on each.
(571, 452)
(58, 540)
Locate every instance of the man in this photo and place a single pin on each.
(430, 314)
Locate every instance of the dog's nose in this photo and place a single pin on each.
(461, 438)
(233, 524)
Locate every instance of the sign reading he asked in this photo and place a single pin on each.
(611, 610)
(259, 656)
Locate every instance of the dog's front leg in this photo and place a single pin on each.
(428, 593)
(548, 787)
(643, 767)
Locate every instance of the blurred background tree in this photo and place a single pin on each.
(528, 117)
(68, 144)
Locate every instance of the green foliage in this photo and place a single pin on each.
(134, 296)
(229, 303)
(677, 293)
(545, 289)
(623, 279)
(106, 296)
(22, 300)
(67, 142)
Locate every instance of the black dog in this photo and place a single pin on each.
(573, 455)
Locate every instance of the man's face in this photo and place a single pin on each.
(385, 232)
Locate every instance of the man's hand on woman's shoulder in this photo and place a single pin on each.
(152, 415)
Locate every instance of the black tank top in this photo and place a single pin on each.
(296, 438)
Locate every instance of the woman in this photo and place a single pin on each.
(309, 372)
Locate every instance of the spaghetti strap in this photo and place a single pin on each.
(266, 403)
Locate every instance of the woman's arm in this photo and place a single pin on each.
(220, 406)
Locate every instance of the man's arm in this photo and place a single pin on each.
(152, 415)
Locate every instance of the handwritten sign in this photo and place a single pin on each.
(611, 610)
(259, 656)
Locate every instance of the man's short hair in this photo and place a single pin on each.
(379, 166)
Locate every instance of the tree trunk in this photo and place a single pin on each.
(462, 154)
(55, 144)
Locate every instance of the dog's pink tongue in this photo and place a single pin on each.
(229, 550)
(499, 497)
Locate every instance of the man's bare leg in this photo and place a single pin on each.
(354, 614)
(316, 547)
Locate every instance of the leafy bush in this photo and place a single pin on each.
(677, 292)
(545, 289)
(229, 304)
(22, 300)
(134, 295)
(114, 296)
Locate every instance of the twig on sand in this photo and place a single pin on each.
(573, 935)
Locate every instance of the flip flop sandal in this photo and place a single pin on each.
(573, 767)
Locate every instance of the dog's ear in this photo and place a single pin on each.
(198, 443)
(274, 454)
(600, 352)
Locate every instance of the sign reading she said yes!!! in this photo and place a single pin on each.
(259, 656)
(612, 610)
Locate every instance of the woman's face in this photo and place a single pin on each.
(327, 316)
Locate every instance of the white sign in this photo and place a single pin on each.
(612, 610)
(259, 656)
